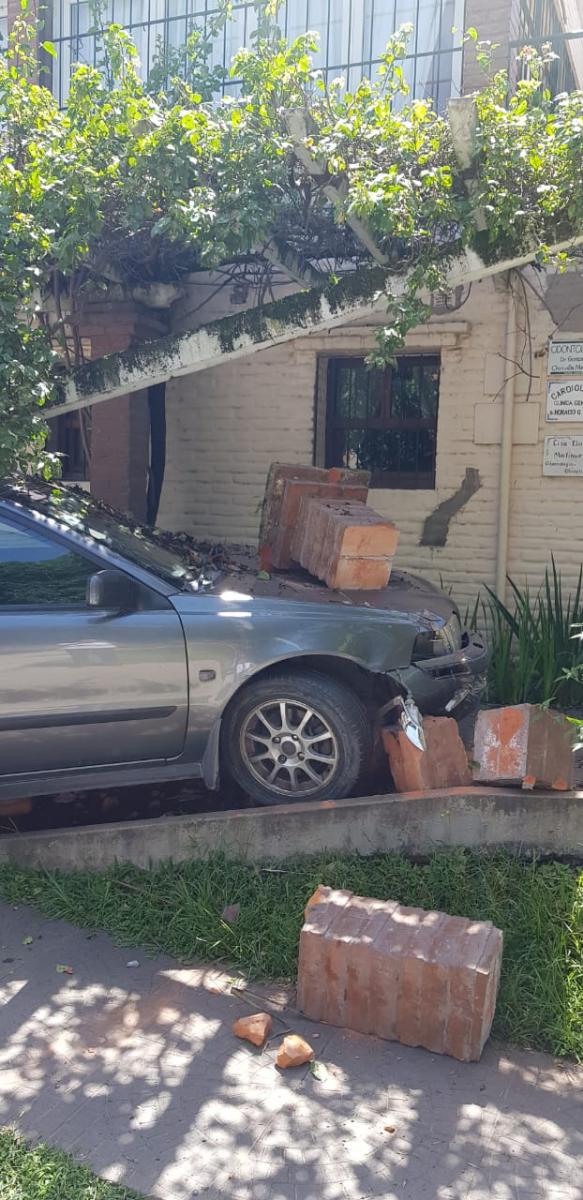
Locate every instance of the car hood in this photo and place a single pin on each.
(411, 596)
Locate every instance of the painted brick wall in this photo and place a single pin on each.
(227, 425)
(224, 428)
(496, 22)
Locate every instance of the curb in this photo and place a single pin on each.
(550, 823)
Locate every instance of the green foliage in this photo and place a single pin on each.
(135, 182)
(537, 647)
(40, 1173)
(177, 908)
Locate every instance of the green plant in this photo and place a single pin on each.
(177, 908)
(41, 1173)
(132, 183)
(537, 651)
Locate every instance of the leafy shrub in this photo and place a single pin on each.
(537, 644)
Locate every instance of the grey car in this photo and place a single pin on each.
(120, 664)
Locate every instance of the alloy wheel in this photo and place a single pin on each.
(289, 747)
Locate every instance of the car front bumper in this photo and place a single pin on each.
(449, 683)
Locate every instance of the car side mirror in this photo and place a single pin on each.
(113, 590)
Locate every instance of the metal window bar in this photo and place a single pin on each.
(148, 22)
(398, 447)
(560, 75)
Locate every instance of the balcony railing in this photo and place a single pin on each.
(352, 36)
(564, 71)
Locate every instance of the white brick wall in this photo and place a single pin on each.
(227, 425)
(224, 428)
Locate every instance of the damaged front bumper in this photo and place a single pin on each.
(449, 683)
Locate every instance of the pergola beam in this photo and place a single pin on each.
(335, 192)
(359, 295)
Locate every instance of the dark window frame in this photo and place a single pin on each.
(383, 422)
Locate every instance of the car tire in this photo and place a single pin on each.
(322, 761)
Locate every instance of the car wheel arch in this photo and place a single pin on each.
(372, 687)
(369, 685)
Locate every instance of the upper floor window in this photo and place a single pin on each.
(384, 421)
(352, 35)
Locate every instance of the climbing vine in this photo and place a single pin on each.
(132, 183)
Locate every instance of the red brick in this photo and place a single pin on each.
(254, 1029)
(295, 492)
(119, 453)
(281, 505)
(294, 1052)
(443, 764)
(523, 744)
(343, 542)
(404, 974)
(360, 575)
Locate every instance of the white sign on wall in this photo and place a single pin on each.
(566, 358)
(565, 400)
(563, 455)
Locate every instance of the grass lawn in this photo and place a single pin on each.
(39, 1173)
(177, 908)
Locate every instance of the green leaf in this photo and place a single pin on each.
(49, 48)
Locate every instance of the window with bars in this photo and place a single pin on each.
(540, 23)
(352, 34)
(384, 421)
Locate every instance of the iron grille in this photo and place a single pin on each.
(352, 33)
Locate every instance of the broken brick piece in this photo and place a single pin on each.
(525, 745)
(344, 542)
(444, 763)
(255, 1029)
(286, 485)
(294, 1052)
(404, 974)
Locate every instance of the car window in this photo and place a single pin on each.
(37, 572)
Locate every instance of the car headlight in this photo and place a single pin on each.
(443, 639)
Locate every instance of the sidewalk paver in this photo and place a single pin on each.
(135, 1070)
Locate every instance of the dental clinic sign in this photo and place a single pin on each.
(566, 358)
(565, 400)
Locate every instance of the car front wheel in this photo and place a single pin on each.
(296, 736)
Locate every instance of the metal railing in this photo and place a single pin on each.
(352, 36)
(564, 73)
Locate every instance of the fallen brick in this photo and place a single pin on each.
(525, 745)
(281, 504)
(444, 763)
(294, 1052)
(403, 974)
(255, 1029)
(344, 542)
(295, 492)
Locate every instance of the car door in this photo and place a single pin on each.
(79, 686)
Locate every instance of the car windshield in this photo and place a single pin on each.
(91, 518)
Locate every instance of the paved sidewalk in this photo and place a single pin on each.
(135, 1070)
